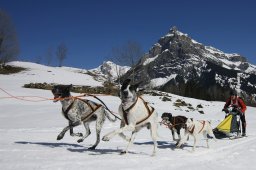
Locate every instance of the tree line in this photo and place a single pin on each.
(10, 49)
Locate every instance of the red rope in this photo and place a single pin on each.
(24, 98)
(170, 126)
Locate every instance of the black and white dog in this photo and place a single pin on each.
(136, 114)
(78, 111)
(174, 123)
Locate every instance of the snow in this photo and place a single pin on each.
(160, 81)
(251, 68)
(37, 73)
(224, 58)
(214, 50)
(149, 60)
(28, 132)
(111, 69)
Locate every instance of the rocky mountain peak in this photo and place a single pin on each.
(181, 65)
(173, 30)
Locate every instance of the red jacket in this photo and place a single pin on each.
(238, 102)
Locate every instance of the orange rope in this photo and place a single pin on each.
(170, 126)
(24, 98)
(10, 96)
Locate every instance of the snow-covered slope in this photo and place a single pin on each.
(37, 73)
(28, 132)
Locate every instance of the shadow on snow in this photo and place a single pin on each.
(71, 147)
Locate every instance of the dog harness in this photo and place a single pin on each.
(126, 112)
(175, 122)
(65, 112)
(191, 130)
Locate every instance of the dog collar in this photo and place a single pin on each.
(125, 112)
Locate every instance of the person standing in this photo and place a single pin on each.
(238, 104)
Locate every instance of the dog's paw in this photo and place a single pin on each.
(80, 140)
(59, 137)
(77, 134)
(153, 154)
(123, 152)
(92, 148)
(128, 139)
(105, 138)
(179, 146)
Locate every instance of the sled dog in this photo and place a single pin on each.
(79, 111)
(174, 123)
(195, 128)
(135, 113)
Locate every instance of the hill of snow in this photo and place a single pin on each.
(29, 130)
(37, 73)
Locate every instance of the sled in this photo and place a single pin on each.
(229, 127)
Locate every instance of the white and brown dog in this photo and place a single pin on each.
(135, 113)
(80, 111)
(195, 128)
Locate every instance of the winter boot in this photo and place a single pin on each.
(243, 130)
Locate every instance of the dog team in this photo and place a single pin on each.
(135, 114)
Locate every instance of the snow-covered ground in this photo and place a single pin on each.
(28, 132)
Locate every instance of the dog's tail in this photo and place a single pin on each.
(108, 116)
(107, 109)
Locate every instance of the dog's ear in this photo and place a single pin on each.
(190, 120)
(67, 87)
(163, 115)
(125, 84)
(170, 114)
(136, 86)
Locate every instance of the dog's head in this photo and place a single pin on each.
(61, 91)
(166, 118)
(189, 123)
(128, 92)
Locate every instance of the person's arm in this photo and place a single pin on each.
(242, 105)
(225, 108)
(227, 103)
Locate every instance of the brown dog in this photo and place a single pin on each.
(174, 123)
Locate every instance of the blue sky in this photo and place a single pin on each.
(91, 28)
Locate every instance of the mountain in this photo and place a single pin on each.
(180, 65)
(110, 71)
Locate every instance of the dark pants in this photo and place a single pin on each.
(242, 116)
